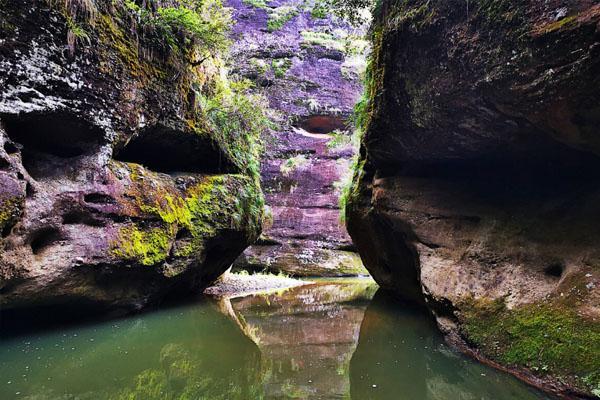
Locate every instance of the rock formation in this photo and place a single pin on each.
(308, 65)
(118, 188)
(477, 187)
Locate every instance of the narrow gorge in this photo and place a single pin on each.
(299, 199)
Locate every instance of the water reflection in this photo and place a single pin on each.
(191, 352)
(400, 355)
(306, 336)
(296, 344)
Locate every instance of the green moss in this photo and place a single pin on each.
(10, 209)
(262, 4)
(507, 14)
(564, 23)
(147, 246)
(319, 10)
(216, 203)
(548, 338)
(408, 14)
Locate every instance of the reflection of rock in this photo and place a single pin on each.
(191, 352)
(114, 192)
(306, 336)
(401, 355)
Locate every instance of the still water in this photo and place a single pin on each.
(337, 339)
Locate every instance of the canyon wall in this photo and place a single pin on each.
(120, 185)
(476, 191)
(308, 64)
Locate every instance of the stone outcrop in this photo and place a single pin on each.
(116, 189)
(308, 66)
(477, 187)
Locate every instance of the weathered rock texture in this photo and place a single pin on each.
(477, 189)
(115, 192)
(307, 70)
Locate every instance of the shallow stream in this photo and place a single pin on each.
(336, 339)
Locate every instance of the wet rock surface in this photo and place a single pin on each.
(114, 191)
(477, 188)
(304, 67)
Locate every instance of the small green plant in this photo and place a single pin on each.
(280, 66)
(319, 10)
(279, 16)
(78, 15)
(312, 104)
(240, 117)
(324, 39)
(292, 164)
(259, 65)
(262, 4)
(187, 27)
(339, 139)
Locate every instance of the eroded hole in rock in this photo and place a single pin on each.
(98, 198)
(554, 270)
(4, 164)
(43, 238)
(77, 217)
(59, 134)
(183, 234)
(6, 230)
(10, 148)
(29, 190)
(50, 140)
(167, 150)
(323, 123)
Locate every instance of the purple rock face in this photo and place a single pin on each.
(114, 191)
(309, 69)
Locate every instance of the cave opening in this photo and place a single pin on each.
(167, 150)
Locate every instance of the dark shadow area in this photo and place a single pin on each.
(50, 141)
(59, 134)
(43, 238)
(163, 149)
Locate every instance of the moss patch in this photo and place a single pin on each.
(222, 202)
(148, 247)
(10, 209)
(548, 338)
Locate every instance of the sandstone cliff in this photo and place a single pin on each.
(477, 188)
(127, 173)
(308, 64)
